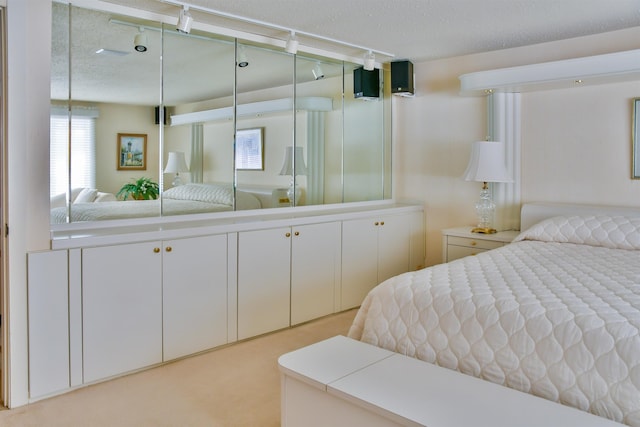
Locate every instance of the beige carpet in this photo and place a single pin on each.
(238, 385)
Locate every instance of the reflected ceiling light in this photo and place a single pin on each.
(369, 61)
(184, 20)
(317, 72)
(242, 58)
(140, 41)
(292, 44)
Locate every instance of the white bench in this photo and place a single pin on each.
(343, 382)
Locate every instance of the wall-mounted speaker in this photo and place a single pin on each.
(366, 84)
(157, 115)
(402, 78)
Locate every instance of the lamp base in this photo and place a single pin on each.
(484, 230)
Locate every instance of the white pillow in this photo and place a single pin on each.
(87, 195)
(617, 232)
(220, 194)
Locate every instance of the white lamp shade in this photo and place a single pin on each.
(487, 163)
(287, 165)
(176, 163)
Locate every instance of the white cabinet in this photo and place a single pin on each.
(194, 295)
(315, 270)
(373, 250)
(461, 242)
(122, 308)
(264, 263)
(49, 358)
(286, 276)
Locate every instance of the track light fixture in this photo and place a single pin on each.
(242, 58)
(140, 41)
(317, 72)
(369, 61)
(292, 44)
(184, 20)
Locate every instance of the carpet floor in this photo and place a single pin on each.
(237, 385)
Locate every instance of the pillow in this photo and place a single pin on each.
(87, 195)
(221, 194)
(105, 197)
(616, 232)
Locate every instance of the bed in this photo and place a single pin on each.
(556, 313)
(185, 199)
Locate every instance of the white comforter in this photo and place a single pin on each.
(558, 316)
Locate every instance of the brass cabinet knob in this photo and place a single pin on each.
(473, 243)
(297, 233)
(287, 234)
(168, 249)
(376, 223)
(381, 222)
(156, 250)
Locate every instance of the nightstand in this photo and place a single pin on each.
(460, 242)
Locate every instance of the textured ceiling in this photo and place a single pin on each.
(430, 29)
(409, 29)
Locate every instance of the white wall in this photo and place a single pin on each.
(576, 142)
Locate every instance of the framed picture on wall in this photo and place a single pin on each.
(250, 149)
(132, 151)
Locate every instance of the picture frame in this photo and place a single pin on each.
(250, 149)
(132, 151)
(635, 140)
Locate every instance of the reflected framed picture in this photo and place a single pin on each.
(132, 151)
(635, 140)
(250, 149)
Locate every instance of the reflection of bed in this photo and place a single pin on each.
(185, 199)
(555, 314)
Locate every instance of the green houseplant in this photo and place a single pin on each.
(140, 189)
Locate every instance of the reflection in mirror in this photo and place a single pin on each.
(363, 145)
(319, 129)
(113, 89)
(198, 75)
(189, 94)
(265, 101)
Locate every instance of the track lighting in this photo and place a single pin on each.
(140, 41)
(317, 72)
(292, 44)
(242, 58)
(184, 20)
(369, 61)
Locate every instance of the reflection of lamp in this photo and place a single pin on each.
(486, 165)
(317, 72)
(176, 164)
(287, 169)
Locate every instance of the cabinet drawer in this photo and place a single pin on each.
(455, 252)
(473, 243)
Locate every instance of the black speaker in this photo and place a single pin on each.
(402, 77)
(165, 115)
(366, 84)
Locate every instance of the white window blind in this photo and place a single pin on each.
(83, 154)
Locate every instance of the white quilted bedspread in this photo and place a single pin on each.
(553, 316)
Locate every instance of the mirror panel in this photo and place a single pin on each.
(264, 93)
(146, 102)
(207, 148)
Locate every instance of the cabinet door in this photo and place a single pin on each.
(394, 234)
(263, 281)
(315, 257)
(122, 308)
(48, 322)
(194, 296)
(359, 260)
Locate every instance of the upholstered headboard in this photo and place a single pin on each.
(533, 213)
